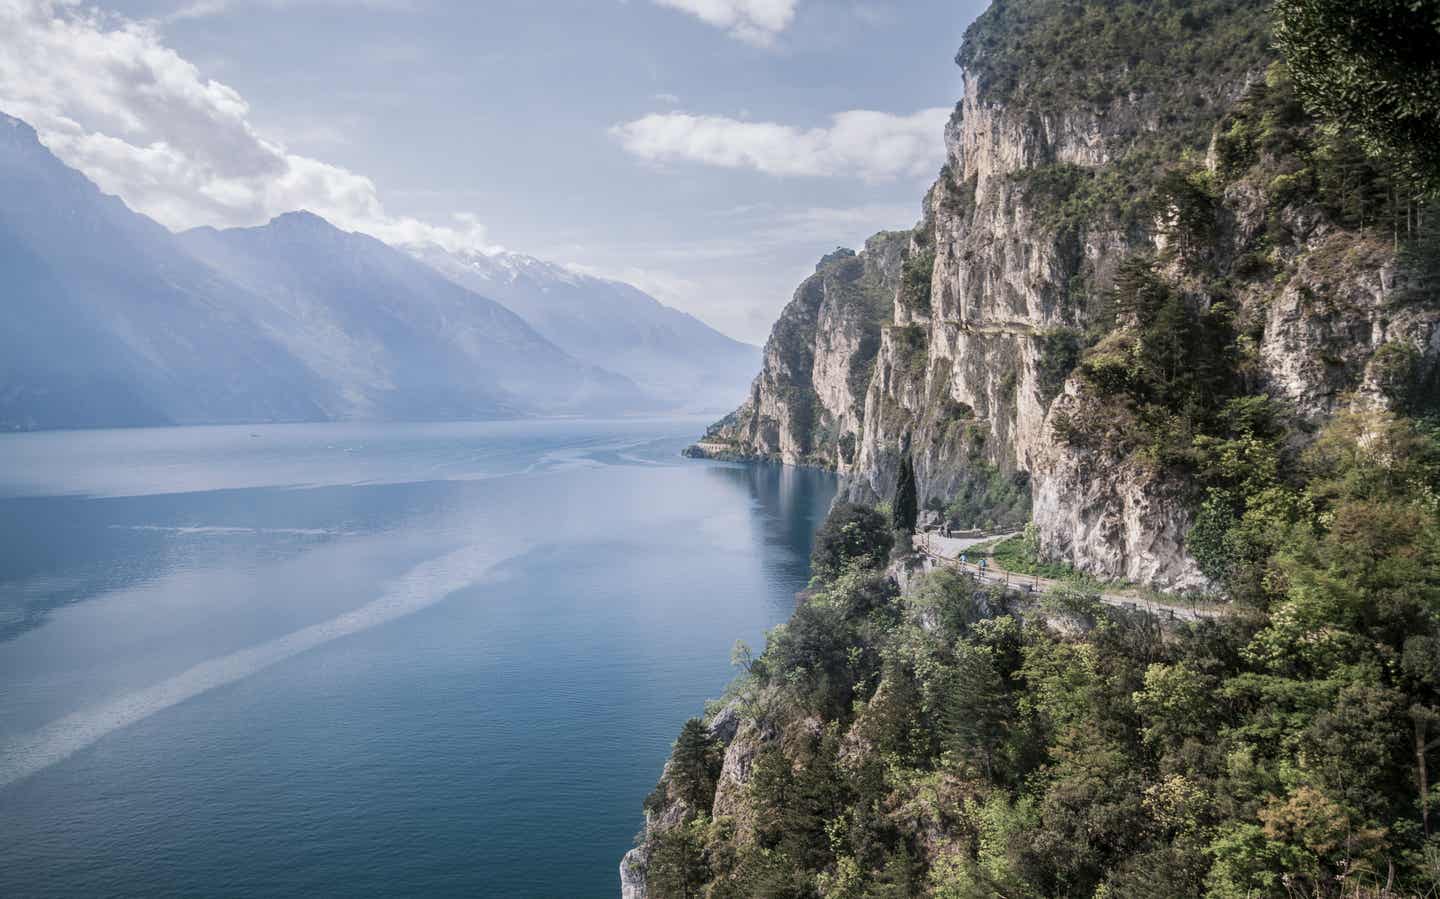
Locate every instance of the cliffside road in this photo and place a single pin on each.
(945, 551)
(991, 329)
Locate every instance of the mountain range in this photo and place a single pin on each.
(113, 320)
(670, 354)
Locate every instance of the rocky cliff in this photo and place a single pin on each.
(807, 404)
(1127, 235)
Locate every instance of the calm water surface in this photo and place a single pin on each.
(361, 660)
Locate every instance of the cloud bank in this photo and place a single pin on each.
(756, 22)
(861, 143)
(110, 99)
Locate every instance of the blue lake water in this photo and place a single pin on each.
(366, 660)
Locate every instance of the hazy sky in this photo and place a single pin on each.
(707, 150)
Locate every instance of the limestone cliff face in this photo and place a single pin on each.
(807, 404)
(1012, 265)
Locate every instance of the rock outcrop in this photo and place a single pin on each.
(741, 738)
(806, 406)
(1142, 261)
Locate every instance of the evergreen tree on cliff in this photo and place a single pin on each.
(694, 765)
(907, 505)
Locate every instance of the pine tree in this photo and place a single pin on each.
(907, 504)
(973, 708)
(677, 868)
(694, 765)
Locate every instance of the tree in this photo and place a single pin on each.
(974, 708)
(772, 795)
(677, 868)
(907, 505)
(851, 535)
(694, 765)
(1371, 67)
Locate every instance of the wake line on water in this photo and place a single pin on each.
(419, 588)
(199, 529)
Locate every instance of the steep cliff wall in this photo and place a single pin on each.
(1102, 199)
(807, 404)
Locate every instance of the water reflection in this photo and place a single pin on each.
(193, 679)
(791, 502)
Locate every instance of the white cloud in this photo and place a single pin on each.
(756, 22)
(862, 143)
(204, 9)
(110, 99)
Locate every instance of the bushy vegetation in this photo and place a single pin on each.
(941, 743)
(1069, 198)
(911, 347)
(852, 535)
(1059, 352)
(1022, 554)
(1056, 55)
(1169, 364)
(915, 279)
(1171, 346)
(988, 498)
(1373, 68)
(1270, 138)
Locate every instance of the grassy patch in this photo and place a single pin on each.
(1021, 555)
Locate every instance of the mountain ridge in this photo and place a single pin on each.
(117, 321)
(674, 356)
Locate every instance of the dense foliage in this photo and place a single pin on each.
(950, 743)
(852, 535)
(987, 498)
(1172, 346)
(1056, 55)
(1373, 68)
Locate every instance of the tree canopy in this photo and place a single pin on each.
(1372, 68)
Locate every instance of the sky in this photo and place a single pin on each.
(708, 151)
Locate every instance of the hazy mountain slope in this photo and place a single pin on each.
(403, 341)
(111, 320)
(108, 322)
(674, 356)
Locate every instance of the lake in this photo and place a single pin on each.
(366, 660)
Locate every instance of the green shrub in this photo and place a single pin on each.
(852, 535)
(1058, 352)
(990, 499)
(916, 278)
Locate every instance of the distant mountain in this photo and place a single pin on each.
(674, 356)
(107, 321)
(111, 320)
(403, 341)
